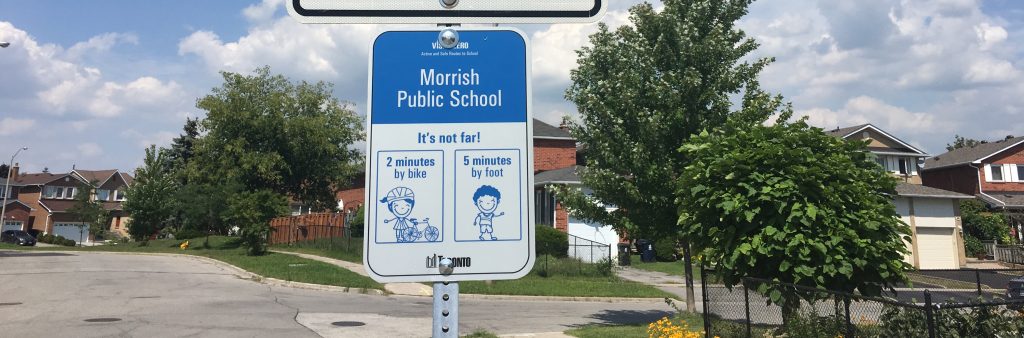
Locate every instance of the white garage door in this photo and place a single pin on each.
(935, 248)
(11, 225)
(71, 231)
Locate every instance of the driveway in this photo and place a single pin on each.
(100, 295)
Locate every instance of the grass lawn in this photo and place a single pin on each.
(227, 249)
(343, 249)
(559, 277)
(568, 278)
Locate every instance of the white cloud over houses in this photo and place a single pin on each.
(12, 126)
(924, 70)
(68, 110)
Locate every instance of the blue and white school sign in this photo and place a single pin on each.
(450, 157)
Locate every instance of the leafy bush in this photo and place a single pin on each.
(810, 325)
(973, 246)
(982, 224)
(356, 225)
(551, 241)
(68, 242)
(967, 322)
(184, 234)
(665, 250)
(604, 267)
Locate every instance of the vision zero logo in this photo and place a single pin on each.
(457, 262)
(460, 45)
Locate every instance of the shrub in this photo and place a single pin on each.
(604, 267)
(969, 322)
(551, 241)
(355, 226)
(184, 234)
(68, 242)
(665, 250)
(973, 246)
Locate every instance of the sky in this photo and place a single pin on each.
(91, 84)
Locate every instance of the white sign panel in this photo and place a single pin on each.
(450, 157)
(435, 11)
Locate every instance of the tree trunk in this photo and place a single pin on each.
(691, 303)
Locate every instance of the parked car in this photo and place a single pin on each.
(1015, 291)
(17, 237)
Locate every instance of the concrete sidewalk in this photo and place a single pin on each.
(675, 285)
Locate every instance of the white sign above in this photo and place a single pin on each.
(447, 11)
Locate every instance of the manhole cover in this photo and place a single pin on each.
(348, 324)
(9, 304)
(102, 320)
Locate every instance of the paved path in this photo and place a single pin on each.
(408, 289)
(56, 294)
(675, 285)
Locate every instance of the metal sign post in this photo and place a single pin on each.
(446, 304)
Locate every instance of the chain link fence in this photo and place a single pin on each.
(977, 309)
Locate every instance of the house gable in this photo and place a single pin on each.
(879, 141)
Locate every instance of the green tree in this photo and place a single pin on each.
(641, 91)
(962, 142)
(95, 218)
(251, 212)
(149, 199)
(203, 207)
(791, 204)
(268, 133)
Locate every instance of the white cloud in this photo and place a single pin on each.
(262, 11)
(89, 149)
(554, 49)
(863, 109)
(100, 43)
(12, 126)
(315, 52)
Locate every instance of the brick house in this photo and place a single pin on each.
(16, 212)
(49, 196)
(933, 214)
(993, 172)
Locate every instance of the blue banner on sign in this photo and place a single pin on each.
(482, 79)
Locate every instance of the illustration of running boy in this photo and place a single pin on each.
(486, 199)
(400, 201)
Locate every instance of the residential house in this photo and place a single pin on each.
(993, 172)
(49, 196)
(16, 213)
(932, 213)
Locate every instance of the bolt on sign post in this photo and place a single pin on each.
(449, 189)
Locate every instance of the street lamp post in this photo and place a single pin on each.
(7, 184)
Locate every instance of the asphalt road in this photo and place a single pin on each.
(104, 295)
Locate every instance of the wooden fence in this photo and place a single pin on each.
(306, 227)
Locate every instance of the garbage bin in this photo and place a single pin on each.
(646, 250)
(624, 253)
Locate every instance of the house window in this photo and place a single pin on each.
(997, 172)
(545, 207)
(119, 195)
(69, 192)
(59, 192)
(102, 195)
(49, 192)
(904, 166)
